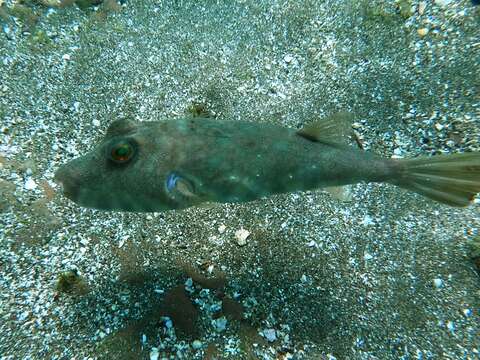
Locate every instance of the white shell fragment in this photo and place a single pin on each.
(30, 184)
(241, 236)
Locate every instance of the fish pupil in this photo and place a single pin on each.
(122, 152)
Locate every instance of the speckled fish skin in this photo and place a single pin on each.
(221, 161)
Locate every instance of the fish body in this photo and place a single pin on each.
(175, 164)
(243, 161)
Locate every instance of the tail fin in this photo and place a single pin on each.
(450, 179)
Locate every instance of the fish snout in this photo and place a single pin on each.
(68, 181)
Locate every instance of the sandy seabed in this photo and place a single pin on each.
(388, 275)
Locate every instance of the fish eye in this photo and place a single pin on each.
(121, 152)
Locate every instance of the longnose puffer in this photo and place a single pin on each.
(175, 164)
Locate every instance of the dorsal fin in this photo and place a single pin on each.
(121, 127)
(333, 129)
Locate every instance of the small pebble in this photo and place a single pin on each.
(421, 7)
(154, 354)
(442, 2)
(215, 240)
(220, 324)
(312, 243)
(188, 284)
(438, 283)
(210, 268)
(451, 326)
(422, 32)
(197, 344)
(367, 220)
(66, 57)
(270, 334)
(288, 58)
(397, 151)
(96, 123)
(221, 229)
(168, 324)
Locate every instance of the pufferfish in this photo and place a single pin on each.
(176, 164)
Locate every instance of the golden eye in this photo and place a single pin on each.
(122, 152)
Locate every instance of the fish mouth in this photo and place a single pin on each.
(74, 185)
(67, 191)
(69, 185)
(66, 184)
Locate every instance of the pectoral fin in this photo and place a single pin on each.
(179, 188)
(342, 193)
(185, 188)
(208, 205)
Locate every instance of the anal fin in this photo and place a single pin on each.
(342, 193)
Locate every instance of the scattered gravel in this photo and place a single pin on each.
(384, 276)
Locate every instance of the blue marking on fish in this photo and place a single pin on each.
(172, 179)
